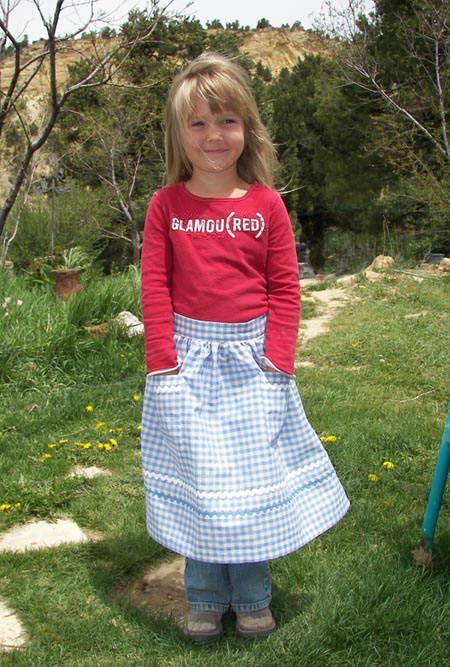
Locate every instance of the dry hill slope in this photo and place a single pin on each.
(276, 48)
(280, 47)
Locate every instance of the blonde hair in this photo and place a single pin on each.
(224, 85)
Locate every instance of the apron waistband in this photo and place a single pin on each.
(225, 332)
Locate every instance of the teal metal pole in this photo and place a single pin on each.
(437, 488)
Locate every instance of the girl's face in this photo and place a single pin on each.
(213, 142)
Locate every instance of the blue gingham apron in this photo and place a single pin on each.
(233, 471)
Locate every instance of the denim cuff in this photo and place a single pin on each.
(252, 606)
(209, 606)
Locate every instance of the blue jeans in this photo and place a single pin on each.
(216, 586)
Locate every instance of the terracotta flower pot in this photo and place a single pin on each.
(66, 281)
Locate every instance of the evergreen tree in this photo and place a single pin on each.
(114, 143)
(398, 57)
(321, 134)
(214, 24)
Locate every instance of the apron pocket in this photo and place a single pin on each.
(276, 388)
(168, 397)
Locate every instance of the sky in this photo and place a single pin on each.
(25, 18)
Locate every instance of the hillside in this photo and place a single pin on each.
(280, 47)
(276, 48)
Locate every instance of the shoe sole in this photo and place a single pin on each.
(261, 634)
(203, 638)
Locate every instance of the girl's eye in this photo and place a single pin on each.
(229, 121)
(197, 123)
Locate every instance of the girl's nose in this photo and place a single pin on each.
(214, 132)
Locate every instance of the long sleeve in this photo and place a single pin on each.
(156, 288)
(283, 291)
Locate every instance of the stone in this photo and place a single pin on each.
(12, 633)
(130, 322)
(88, 473)
(41, 534)
(415, 316)
(372, 275)
(444, 265)
(381, 263)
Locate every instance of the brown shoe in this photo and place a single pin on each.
(203, 626)
(255, 624)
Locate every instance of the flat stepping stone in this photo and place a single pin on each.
(415, 316)
(88, 473)
(41, 534)
(303, 364)
(159, 588)
(12, 633)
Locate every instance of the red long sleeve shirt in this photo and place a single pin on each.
(219, 260)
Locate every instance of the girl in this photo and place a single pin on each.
(234, 474)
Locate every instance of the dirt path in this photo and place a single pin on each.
(330, 301)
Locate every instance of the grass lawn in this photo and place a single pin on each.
(354, 597)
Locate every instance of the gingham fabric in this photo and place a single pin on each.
(233, 470)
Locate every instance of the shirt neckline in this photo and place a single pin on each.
(183, 187)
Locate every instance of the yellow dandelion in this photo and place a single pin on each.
(108, 447)
(328, 438)
(100, 445)
(355, 344)
(123, 356)
(114, 442)
(52, 446)
(86, 445)
(89, 408)
(44, 457)
(4, 507)
(63, 441)
(373, 478)
(119, 429)
(18, 506)
(388, 465)
(136, 397)
(100, 425)
(139, 427)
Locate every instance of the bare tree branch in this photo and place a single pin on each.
(8, 241)
(352, 48)
(104, 71)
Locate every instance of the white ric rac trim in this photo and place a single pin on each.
(313, 467)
